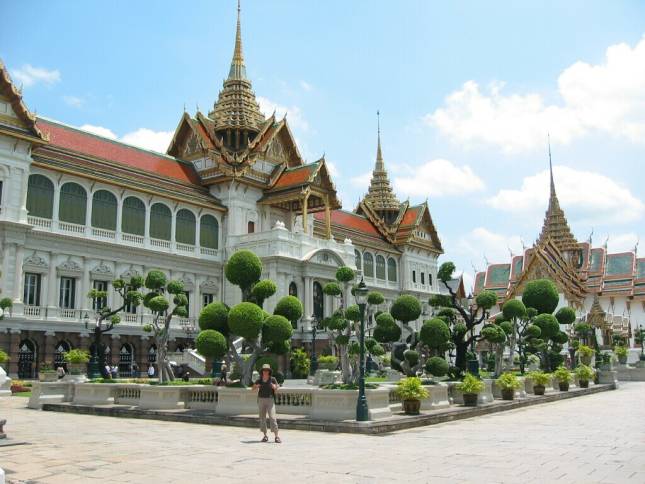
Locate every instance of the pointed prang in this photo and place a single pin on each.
(238, 69)
(380, 166)
(552, 188)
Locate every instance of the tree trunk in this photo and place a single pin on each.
(461, 348)
(499, 357)
(511, 346)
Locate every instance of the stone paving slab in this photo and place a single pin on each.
(298, 422)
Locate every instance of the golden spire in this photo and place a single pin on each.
(236, 106)
(555, 223)
(380, 166)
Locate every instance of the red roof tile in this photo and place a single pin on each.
(410, 216)
(92, 145)
(350, 220)
(295, 176)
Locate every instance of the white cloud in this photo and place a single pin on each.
(590, 197)
(306, 86)
(618, 242)
(361, 181)
(99, 130)
(143, 137)
(481, 244)
(149, 139)
(608, 97)
(74, 101)
(333, 169)
(437, 178)
(294, 115)
(29, 75)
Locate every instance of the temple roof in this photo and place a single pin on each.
(380, 195)
(236, 106)
(555, 224)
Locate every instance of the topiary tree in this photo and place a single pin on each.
(243, 269)
(107, 317)
(437, 366)
(165, 300)
(463, 333)
(542, 295)
(211, 344)
(386, 330)
(5, 303)
(495, 335)
(435, 334)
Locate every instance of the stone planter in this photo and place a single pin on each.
(237, 401)
(539, 389)
(47, 376)
(519, 393)
(470, 399)
(508, 393)
(437, 397)
(486, 396)
(74, 378)
(411, 407)
(95, 393)
(50, 392)
(5, 383)
(605, 377)
(563, 386)
(326, 377)
(341, 404)
(161, 397)
(622, 360)
(200, 397)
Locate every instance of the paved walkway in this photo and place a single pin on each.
(597, 438)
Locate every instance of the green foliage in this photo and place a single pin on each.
(513, 309)
(5, 303)
(533, 331)
(565, 315)
(300, 362)
(276, 328)
(508, 381)
(136, 282)
(374, 298)
(470, 384)
(290, 307)
(344, 274)
(486, 300)
(560, 338)
(549, 326)
(245, 320)
(493, 333)
(621, 351)
(332, 289)
(158, 304)
(437, 366)
(411, 356)
(387, 333)
(214, 316)
(542, 295)
(115, 319)
(406, 308)
(539, 378)
(175, 287)
(335, 323)
(445, 271)
(147, 328)
(327, 362)
(584, 372)
(411, 389)
(266, 360)
(435, 334)
(263, 289)
(562, 374)
(211, 344)
(155, 280)
(377, 350)
(243, 269)
(507, 327)
(353, 313)
(76, 356)
(459, 329)
(384, 319)
(582, 329)
(585, 351)
(440, 301)
(353, 348)
(4, 357)
(279, 347)
(180, 299)
(342, 339)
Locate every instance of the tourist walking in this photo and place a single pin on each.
(114, 371)
(151, 371)
(267, 386)
(60, 371)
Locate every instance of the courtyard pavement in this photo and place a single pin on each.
(596, 438)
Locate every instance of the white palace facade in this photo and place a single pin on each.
(78, 210)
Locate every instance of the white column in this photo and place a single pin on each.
(52, 303)
(56, 206)
(198, 228)
(17, 284)
(85, 285)
(88, 214)
(146, 233)
(173, 228)
(119, 217)
(21, 189)
(196, 303)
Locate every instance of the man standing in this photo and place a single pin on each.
(267, 386)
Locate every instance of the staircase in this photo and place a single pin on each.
(195, 362)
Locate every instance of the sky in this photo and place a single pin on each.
(468, 92)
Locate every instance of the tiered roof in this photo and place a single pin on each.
(380, 195)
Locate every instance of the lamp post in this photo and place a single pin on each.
(473, 362)
(313, 364)
(362, 413)
(93, 366)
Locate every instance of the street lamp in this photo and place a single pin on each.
(362, 414)
(313, 364)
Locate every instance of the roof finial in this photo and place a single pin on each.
(380, 166)
(238, 69)
(551, 166)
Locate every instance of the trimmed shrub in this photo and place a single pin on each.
(332, 289)
(437, 366)
(344, 274)
(214, 316)
(533, 331)
(211, 344)
(375, 298)
(445, 271)
(486, 299)
(158, 304)
(290, 307)
(406, 308)
(565, 315)
(245, 320)
(542, 295)
(435, 333)
(276, 328)
(176, 287)
(263, 290)
(549, 326)
(155, 280)
(243, 269)
(327, 362)
(514, 309)
(411, 356)
(353, 313)
(266, 360)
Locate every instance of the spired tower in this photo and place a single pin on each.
(236, 112)
(380, 196)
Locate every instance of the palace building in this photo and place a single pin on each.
(606, 289)
(78, 210)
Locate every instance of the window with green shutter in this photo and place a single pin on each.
(368, 265)
(209, 232)
(391, 270)
(380, 267)
(160, 222)
(40, 196)
(133, 217)
(104, 209)
(72, 206)
(185, 228)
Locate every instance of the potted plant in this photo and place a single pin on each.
(621, 353)
(604, 361)
(508, 383)
(410, 391)
(563, 376)
(540, 380)
(77, 360)
(4, 357)
(470, 387)
(47, 373)
(585, 353)
(327, 362)
(584, 374)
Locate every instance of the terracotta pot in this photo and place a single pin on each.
(411, 407)
(539, 389)
(470, 399)
(583, 383)
(508, 394)
(564, 386)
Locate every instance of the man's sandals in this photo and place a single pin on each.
(277, 440)
(265, 439)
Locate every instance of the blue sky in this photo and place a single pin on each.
(467, 91)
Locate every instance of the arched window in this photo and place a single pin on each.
(126, 359)
(160, 222)
(27, 355)
(185, 229)
(368, 265)
(293, 289)
(380, 267)
(40, 196)
(358, 260)
(133, 217)
(250, 227)
(208, 232)
(319, 301)
(73, 204)
(61, 348)
(104, 210)
(392, 274)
